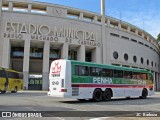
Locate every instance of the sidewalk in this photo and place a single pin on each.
(32, 91)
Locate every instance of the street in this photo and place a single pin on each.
(118, 107)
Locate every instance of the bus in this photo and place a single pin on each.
(86, 80)
(10, 80)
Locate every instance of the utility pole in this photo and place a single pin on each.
(103, 41)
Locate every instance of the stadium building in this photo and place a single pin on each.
(33, 34)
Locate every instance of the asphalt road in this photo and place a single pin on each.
(117, 108)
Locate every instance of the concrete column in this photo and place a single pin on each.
(81, 52)
(1, 47)
(26, 62)
(142, 35)
(81, 16)
(95, 19)
(136, 32)
(64, 51)
(119, 25)
(154, 80)
(95, 55)
(0, 8)
(108, 22)
(29, 8)
(10, 6)
(128, 28)
(6, 53)
(158, 81)
(157, 84)
(46, 53)
(49, 10)
(148, 38)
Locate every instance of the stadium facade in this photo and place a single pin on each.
(33, 34)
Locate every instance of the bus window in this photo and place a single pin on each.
(144, 76)
(95, 71)
(83, 71)
(118, 73)
(136, 75)
(127, 74)
(98, 71)
(76, 70)
(107, 73)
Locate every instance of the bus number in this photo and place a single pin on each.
(55, 83)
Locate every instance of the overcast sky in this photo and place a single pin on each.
(142, 13)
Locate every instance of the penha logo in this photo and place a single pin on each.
(56, 69)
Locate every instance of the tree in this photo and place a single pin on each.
(158, 37)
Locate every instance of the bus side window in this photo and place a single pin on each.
(92, 71)
(136, 75)
(76, 70)
(144, 76)
(107, 73)
(127, 74)
(83, 71)
(98, 72)
(118, 73)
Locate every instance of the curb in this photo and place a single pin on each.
(31, 91)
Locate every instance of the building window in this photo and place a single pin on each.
(55, 54)
(135, 59)
(72, 55)
(126, 56)
(141, 60)
(115, 55)
(152, 63)
(147, 62)
(17, 52)
(113, 34)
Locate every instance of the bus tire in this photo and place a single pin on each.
(107, 94)
(3, 91)
(97, 95)
(144, 93)
(15, 90)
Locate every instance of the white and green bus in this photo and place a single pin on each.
(86, 80)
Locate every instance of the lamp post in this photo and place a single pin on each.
(103, 7)
(103, 41)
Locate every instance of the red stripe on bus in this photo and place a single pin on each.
(109, 86)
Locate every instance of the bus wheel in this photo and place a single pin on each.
(97, 95)
(144, 94)
(3, 91)
(107, 94)
(15, 90)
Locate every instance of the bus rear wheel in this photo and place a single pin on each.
(107, 94)
(15, 90)
(97, 95)
(144, 94)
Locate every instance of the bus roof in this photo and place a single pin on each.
(10, 70)
(109, 66)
